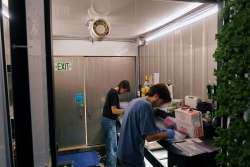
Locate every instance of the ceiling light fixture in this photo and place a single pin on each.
(175, 15)
(181, 24)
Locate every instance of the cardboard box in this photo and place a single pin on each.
(192, 131)
(189, 122)
(192, 118)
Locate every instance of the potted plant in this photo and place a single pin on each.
(233, 91)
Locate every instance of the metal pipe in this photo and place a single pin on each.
(18, 46)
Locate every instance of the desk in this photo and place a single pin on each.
(178, 157)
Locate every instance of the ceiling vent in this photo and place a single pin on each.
(99, 29)
(98, 24)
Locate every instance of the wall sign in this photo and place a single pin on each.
(62, 66)
(79, 98)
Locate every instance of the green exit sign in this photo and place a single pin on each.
(62, 66)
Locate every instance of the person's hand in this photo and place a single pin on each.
(170, 133)
(160, 129)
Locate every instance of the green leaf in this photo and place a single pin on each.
(233, 56)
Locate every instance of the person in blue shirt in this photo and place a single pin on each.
(108, 121)
(138, 125)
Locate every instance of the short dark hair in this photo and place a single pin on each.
(125, 85)
(162, 90)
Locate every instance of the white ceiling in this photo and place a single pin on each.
(129, 19)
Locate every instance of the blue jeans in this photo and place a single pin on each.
(109, 129)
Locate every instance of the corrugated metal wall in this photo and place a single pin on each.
(70, 126)
(102, 74)
(94, 77)
(183, 58)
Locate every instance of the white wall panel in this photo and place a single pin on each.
(184, 57)
(198, 57)
(157, 56)
(87, 48)
(151, 57)
(211, 46)
(169, 55)
(187, 60)
(38, 84)
(163, 60)
(177, 75)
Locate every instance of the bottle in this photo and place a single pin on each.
(138, 94)
(209, 90)
(146, 83)
(150, 81)
(156, 77)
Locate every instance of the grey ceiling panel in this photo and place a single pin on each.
(128, 19)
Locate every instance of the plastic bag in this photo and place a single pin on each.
(170, 122)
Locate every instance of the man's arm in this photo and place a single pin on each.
(156, 136)
(115, 110)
